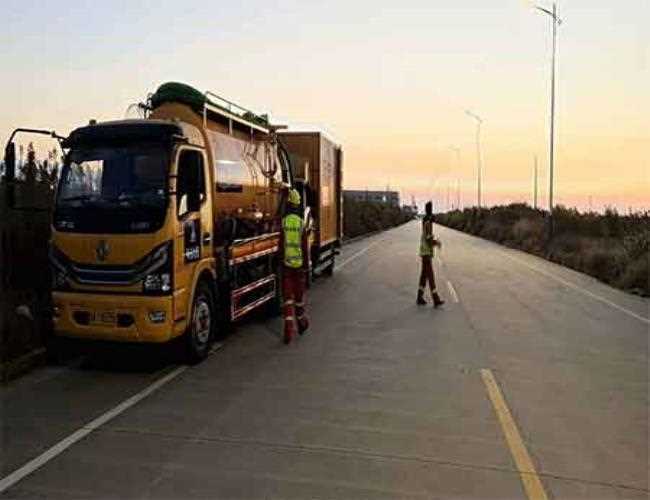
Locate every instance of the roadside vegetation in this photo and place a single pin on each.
(24, 274)
(613, 248)
(363, 217)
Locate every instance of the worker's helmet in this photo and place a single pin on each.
(294, 197)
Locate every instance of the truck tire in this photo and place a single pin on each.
(59, 350)
(203, 322)
(329, 270)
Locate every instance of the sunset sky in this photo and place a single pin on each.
(389, 80)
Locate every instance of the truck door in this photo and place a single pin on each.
(193, 240)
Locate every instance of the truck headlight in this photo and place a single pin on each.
(58, 270)
(158, 279)
(59, 280)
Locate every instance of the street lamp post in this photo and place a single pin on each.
(535, 185)
(457, 151)
(479, 122)
(556, 22)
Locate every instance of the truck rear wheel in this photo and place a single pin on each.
(200, 331)
(329, 270)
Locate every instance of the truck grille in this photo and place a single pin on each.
(89, 274)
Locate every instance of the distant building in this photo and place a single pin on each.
(390, 198)
(410, 209)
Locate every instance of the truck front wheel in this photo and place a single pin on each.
(202, 323)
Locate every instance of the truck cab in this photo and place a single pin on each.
(167, 226)
(132, 230)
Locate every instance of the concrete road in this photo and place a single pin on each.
(532, 381)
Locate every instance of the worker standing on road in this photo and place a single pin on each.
(427, 244)
(294, 240)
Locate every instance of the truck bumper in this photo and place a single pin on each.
(123, 318)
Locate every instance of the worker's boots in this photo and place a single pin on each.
(289, 329)
(303, 324)
(437, 301)
(420, 300)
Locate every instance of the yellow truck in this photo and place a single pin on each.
(169, 226)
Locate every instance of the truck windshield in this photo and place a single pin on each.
(113, 190)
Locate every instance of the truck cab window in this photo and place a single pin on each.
(190, 182)
(129, 180)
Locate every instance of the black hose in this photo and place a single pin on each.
(287, 162)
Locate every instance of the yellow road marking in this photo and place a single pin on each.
(527, 472)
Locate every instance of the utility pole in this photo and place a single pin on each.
(535, 185)
(458, 194)
(552, 138)
(556, 22)
(457, 151)
(479, 122)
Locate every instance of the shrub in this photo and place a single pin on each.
(528, 234)
(636, 276)
(363, 217)
(494, 231)
(637, 245)
(611, 247)
(601, 262)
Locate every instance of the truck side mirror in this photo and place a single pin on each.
(10, 161)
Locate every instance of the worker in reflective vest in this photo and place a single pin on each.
(427, 244)
(294, 241)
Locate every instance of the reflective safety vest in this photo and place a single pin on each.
(292, 229)
(426, 244)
